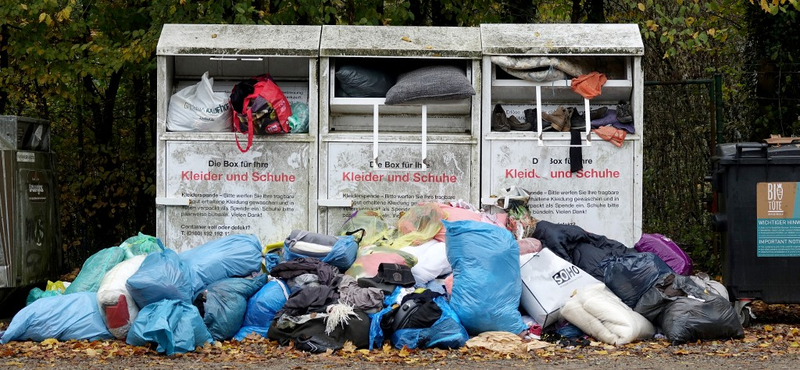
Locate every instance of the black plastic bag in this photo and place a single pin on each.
(685, 312)
(630, 275)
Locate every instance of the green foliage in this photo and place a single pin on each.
(89, 68)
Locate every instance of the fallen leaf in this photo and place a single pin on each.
(348, 347)
(405, 38)
(91, 352)
(403, 352)
(768, 327)
(49, 342)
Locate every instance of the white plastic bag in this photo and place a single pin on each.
(547, 283)
(199, 108)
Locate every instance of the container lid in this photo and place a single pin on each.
(241, 40)
(401, 41)
(756, 153)
(561, 39)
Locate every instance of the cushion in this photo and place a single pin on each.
(430, 83)
(601, 314)
(358, 81)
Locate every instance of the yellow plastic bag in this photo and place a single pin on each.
(419, 225)
(57, 286)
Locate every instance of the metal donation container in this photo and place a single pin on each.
(30, 239)
(529, 69)
(758, 212)
(206, 187)
(389, 157)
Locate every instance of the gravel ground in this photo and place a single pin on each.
(772, 342)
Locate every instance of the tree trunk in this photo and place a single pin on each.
(595, 13)
(4, 35)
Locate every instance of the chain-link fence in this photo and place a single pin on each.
(678, 140)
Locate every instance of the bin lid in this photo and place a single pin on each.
(756, 153)
(562, 39)
(401, 41)
(242, 40)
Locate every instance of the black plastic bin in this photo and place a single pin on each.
(756, 189)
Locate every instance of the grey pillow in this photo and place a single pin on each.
(430, 83)
(358, 81)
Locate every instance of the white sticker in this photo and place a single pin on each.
(26, 157)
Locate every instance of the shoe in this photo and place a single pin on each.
(557, 119)
(499, 120)
(624, 112)
(530, 117)
(598, 113)
(516, 125)
(578, 120)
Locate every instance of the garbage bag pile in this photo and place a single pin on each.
(439, 275)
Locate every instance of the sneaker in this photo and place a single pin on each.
(499, 119)
(624, 112)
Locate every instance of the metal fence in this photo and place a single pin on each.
(681, 126)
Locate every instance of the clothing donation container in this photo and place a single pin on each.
(399, 119)
(208, 183)
(547, 87)
(30, 238)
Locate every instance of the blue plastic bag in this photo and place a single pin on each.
(141, 244)
(342, 254)
(262, 307)
(234, 255)
(226, 303)
(486, 278)
(93, 270)
(64, 317)
(160, 276)
(445, 333)
(176, 327)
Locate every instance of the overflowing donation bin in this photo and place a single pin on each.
(399, 119)
(211, 181)
(29, 222)
(562, 120)
(756, 190)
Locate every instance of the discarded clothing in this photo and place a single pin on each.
(327, 274)
(310, 335)
(583, 249)
(366, 299)
(589, 85)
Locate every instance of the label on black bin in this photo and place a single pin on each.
(777, 225)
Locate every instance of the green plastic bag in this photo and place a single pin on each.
(375, 228)
(95, 268)
(298, 121)
(37, 293)
(141, 244)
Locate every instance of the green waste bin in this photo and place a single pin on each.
(30, 237)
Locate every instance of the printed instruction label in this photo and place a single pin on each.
(777, 225)
(601, 198)
(396, 182)
(263, 191)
